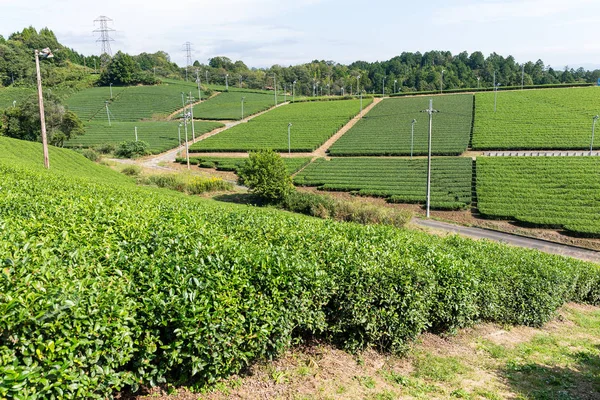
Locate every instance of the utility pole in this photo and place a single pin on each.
(412, 137)
(593, 131)
(104, 39)
(191, 102)
(429, 111)
(107, 112)
(46, 53)
(294, 91)
(198, 82)
(289, 140)
(442, 82)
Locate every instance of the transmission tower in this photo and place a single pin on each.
(187, 47)
(104, 38)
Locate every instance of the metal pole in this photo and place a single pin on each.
(226, 83)
(42, 115)
(107, 112)
(358, 85)
(289, 140)
(136, 137)
(430, 111)
(412, 137)
(593, 131)
(243, 98)
(191, 101)
(187, 145)
(110, 84)
(199, 89)
(442, 82)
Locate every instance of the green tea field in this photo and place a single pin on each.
(292, 164)
(161, 136)
(312, 124)
(559, 192)
(386, 129)
(106, 286)
(8, 95)
(399, 180)
(535, 119)
(228, 105)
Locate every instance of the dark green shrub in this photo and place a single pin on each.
(264, 173)
(131, 170)
(132, 148)
(106, 148)
(90, 154)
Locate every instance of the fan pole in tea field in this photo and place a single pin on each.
(429, 111)
(243, 98)
(226, 83)
(46, 53)
(593, 131)
(293, 91)
(289, 140)
(107, 112)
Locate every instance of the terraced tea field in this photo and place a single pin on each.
(554, 192)
(312, 124)
(228, 106)
(399, 180)
(535, 119)
(292, 164)
(161, 136)
(386, 129)
(90, 102)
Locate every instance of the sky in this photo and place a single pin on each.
(266, 32)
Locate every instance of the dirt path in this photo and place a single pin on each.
(322, 151)
(515, 240)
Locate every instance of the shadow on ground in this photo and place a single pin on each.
(581, 380)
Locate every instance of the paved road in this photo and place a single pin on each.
(515, 240)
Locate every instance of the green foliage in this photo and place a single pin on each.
(229, 105)
(323, 206)
(386, 129)
(23, 122)
(548, 191)
(123, 70)
(265, 174)
(132, 170)
(90, 154)
(292, 164)
(189, 184)
(160, 135)
(132, 148)
(398, 180)
(535, 119)
(106, 285)
(312, 124)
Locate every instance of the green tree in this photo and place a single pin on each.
(23, 122)
(264, 173)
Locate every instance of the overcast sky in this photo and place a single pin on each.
(267, 32)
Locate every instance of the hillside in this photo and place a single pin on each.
(120, 285)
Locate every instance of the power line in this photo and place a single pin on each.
(104, 38)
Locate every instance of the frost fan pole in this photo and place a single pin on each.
(429, 111)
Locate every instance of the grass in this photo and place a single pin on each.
(386, 129)
(160, 135)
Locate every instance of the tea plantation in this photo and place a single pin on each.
(160, 135)
(386, 129)
(535, 119)
(399, 180)
(229, 105)
(312, 124)
(292, 164)
(108, 286)
(555, 192)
